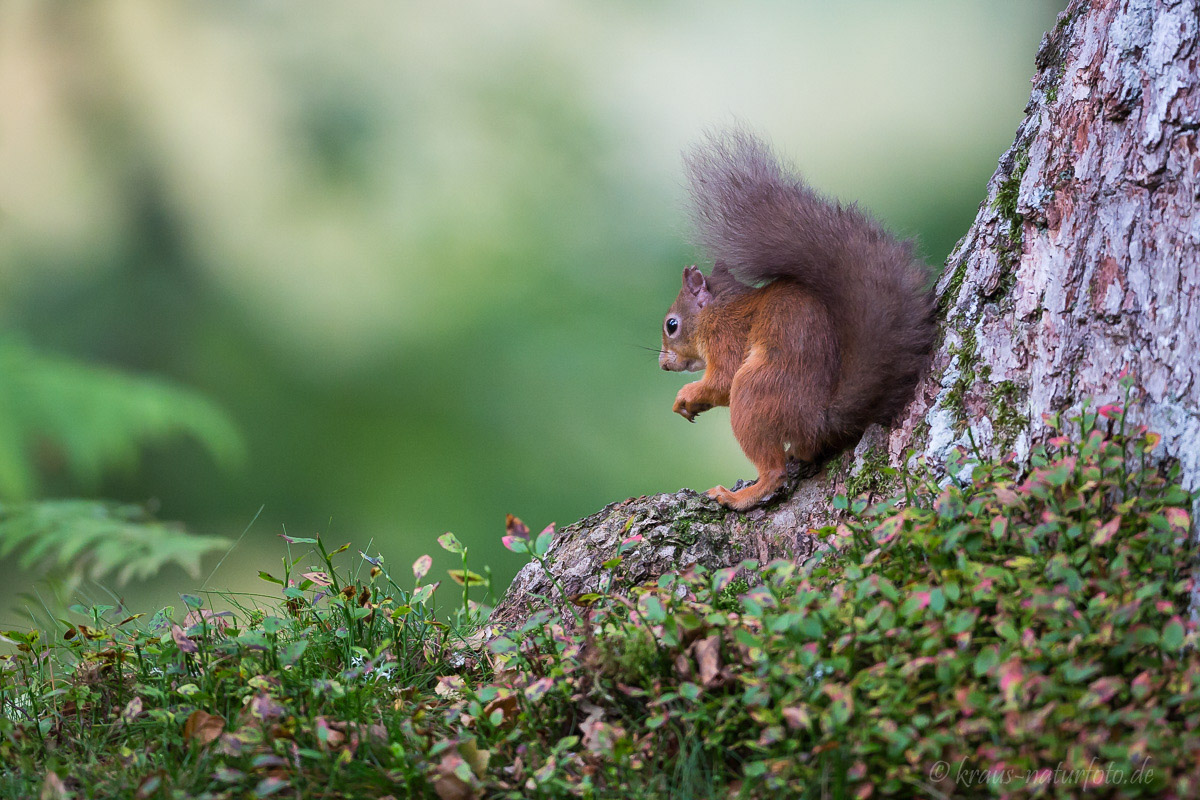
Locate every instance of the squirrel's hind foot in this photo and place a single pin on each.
(750, 496)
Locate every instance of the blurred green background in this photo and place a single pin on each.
(411, 248)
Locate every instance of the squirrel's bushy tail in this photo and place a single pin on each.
(764, 223)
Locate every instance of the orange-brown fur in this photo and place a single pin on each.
(814, 323)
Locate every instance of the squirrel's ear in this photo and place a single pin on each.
(695, 282)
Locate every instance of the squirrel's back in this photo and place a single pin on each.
(765, 224)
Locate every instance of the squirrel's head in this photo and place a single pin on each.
(680, 345)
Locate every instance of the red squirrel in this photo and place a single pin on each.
(814, 323)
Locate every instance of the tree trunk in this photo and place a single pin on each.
(1083, 264)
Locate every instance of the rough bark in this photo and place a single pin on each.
(1083, 263)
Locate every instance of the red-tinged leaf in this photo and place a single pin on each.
(182, 641)
(515, 544)
(263, 706)
(203, 727)
(1105, 532)
(206, 618)
(888, 529)
(722, 578)
(1111, 411)
(514, 527)
(319, 578)
(1105, 688)
(1007, 497)
(454, 778)
(797, 717)
(422, 566)
(1011, 676)
(1178, 519)
(1152, 441)
(536, 690)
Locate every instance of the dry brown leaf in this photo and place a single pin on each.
(53, 788)
(203, 727)
(708, 659)
(507, 705)
(683, 666)
(216, 621)
(449, 784)
(327, 735)
(476, 758)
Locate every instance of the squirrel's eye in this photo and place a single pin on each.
(672, 326)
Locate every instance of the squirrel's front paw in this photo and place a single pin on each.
(722, 496)
(686, 404)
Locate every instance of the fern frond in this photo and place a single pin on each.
(94, 418)
(98, 540)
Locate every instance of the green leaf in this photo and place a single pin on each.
(961, 621)
(1172, 635)
(542, 545)
(95, 418)
(98, 540)
(450, 543)
(654, 609)
(291, 654)
(987, 658)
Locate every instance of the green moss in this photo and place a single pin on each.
(872, 477)
(727, 599)
(834, 465)
(967, 353)
(953, 287)
(920, 435)
(1008, 192)
(682, 531)
(1003, 400)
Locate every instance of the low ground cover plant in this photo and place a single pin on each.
(1016, 631)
